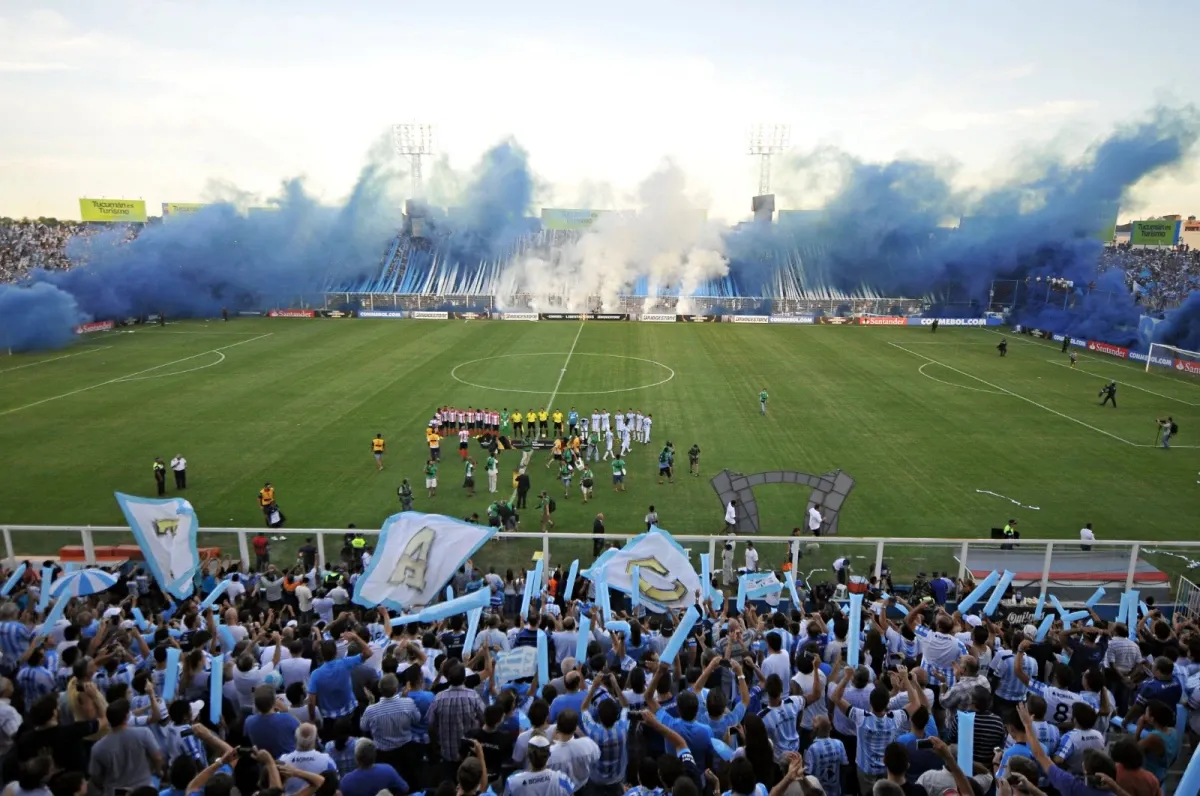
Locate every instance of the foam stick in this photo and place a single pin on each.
(449, 592)
(1044, 627)
(171, 675)
(473, 617)
(44, 594)
(602, 598)
(741, 594)
(635, 586)
(530, 578)
(571, 575)
(405, 620)
(617, 626)
(227, 640)
(480, 598)
(790, 578)
(215, 678)
(1041, 607)
(543, 657)
(1075, 616)
(966, 740)
(581, 643)
(1058, 607)
(1191, 777)
(13, 579)
(55, 614)
(723, 751)
(679, 637)
(1131, 617)
(539, 573)
(1096, 597)
(855, 637)
(977, 593)
(1143, 609)
(215, 594)
(994, 601)
(705, 575)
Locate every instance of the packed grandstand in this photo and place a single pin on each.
(1160, 278)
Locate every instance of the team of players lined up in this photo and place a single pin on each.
(576, 442)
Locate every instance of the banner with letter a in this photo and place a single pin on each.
(667, 577)
(416, 556)
(166, 532)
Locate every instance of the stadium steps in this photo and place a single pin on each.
(399, 268)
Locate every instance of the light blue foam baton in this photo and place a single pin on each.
(617, 626)
(543, 657)
(855, 637)
(722, 749)
(216, 678)
(1041, 607)
(572, 574)
(705, 575)
(977, 593)
(998, 593)
(679, 637)
(530, 576)
(1044, 627)
(44, 594)
(13, 579)
(215, 594)
(635, 586)
(480, 598)
(1096, 597)
(790, 578)
(171, 675)
(473, 617)
(966, 740)
(55, 614)
(581, 642)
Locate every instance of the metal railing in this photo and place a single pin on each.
(955, 552)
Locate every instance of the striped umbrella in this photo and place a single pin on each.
(82, 583)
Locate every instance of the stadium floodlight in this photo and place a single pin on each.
(766, 141)
(413, 141)
(1180, 359)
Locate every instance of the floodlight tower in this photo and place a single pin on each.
(766, 141)
(413, 141)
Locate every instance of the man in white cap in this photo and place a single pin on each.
(539, 780)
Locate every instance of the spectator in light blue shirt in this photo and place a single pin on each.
(269, 729)
(330, 687)
(572, 700)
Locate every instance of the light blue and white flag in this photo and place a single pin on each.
(667, 577)
(415, 557)
(166, 532)
(516, 664)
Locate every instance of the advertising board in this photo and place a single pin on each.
(170, 209)
(427, 315)
(696, 318)
(1154, 233)
(746, 318)
(1120, 352)
(520, 316)
(882, 320)
(563, 218)
(382, 314)
(292, 314)
(112, 210)
(954, 321)
(793, 319)
(657, 318)
(95, 326)
(336, 313)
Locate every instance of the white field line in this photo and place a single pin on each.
(563, 372)
(55, 359)
(1028, 400)
(1123, 383)
(130, 376)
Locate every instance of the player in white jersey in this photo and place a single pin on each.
(625, 435)
(596, 420)
(638, 430)
(629, 416)
(464, 443)
(604, 420)
(647, 421)
(608, 440)
(620, 424)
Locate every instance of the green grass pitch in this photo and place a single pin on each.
(921, 421)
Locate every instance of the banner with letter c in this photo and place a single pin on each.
(666, 576)
(415, 557)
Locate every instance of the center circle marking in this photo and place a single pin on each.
(454, 374)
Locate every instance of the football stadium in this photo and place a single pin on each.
(909, 478)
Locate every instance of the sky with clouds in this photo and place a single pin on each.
(162, 100)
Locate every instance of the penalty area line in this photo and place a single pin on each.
(131, 376)
(1023, 398)
(55, 359)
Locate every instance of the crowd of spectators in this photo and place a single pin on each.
(1161, 277)
(26, 245)
(321, 696)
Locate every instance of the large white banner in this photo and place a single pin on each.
(166, 532)
(667, 577)
(416, 556)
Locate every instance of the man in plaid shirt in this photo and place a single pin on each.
(879, 726)
(940, 649)
(15, 638)
(825, 757)
(610, 731)
(453, 713)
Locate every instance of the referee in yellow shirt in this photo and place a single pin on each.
(377, 449)
(558, 423)
(544, 422)
(518, 424)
